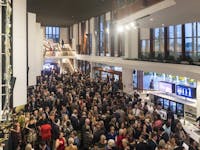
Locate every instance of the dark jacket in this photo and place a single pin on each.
(75, 122)
(152, 145)
(142, 146)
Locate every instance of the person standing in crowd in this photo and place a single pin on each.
(62, 42)
(15, 138)
(151, 85)
(60, 142)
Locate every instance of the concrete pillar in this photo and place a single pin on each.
(198, 98)
(133, 43)
(75, 36)
(127, 80)
(35, 48)
(0, 61)
(126, 45)
(92, 31)
(19, 52)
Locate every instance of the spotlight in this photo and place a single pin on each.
(132, 24)
(120, 28)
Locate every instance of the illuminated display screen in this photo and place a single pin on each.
(185, 91)
(166, 87)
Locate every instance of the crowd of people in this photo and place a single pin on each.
(74, 111)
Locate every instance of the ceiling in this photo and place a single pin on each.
(66, 12)
(183, 12)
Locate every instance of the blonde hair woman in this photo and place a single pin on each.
(71, 145)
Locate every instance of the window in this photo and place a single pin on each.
(145, 47)
(192, 38)
(175, 40)
(53, 33)
(158, 40)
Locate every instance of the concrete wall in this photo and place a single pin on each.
(63, 34)
(32, 48)
(144, 33)
(35, 51)
(19, 52)
(131, 43)
(39, 48)
(127, 79)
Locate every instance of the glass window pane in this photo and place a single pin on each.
(50, 30)
(195, 44)
(179, 31)
(198, 44)
(162, 45)
(156, 33)
(198, 29)
(54, 30)
(171, 45)
(57, 30)
(143, 45)
(47, 30)
(171, 31)
(157, 45)
(162, 31)
(179, 45)
(148, 45)
(188, 44)
(194, 29)
(188, 30)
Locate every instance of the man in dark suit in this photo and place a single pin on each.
(74, 120)
(152, 143)
(142, 145)
(163, 135)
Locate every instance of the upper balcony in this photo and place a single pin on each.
(51, 49)
(123, 8)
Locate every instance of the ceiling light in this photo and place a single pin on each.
(120, 28)
(132, 24)
(163, 25)
(151, 19)
(107, 30)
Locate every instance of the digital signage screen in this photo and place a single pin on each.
(180, 109)
(173, 106)
(160, 101)
(166, 87)
(166, 104)
(186, 91)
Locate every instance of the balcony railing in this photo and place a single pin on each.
(55, 49)
(191, 58)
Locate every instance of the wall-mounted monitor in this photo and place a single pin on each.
(172, 106)
(166, 87)
(186, 91)
(166, 104)
(180, 109)
(160, 101)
